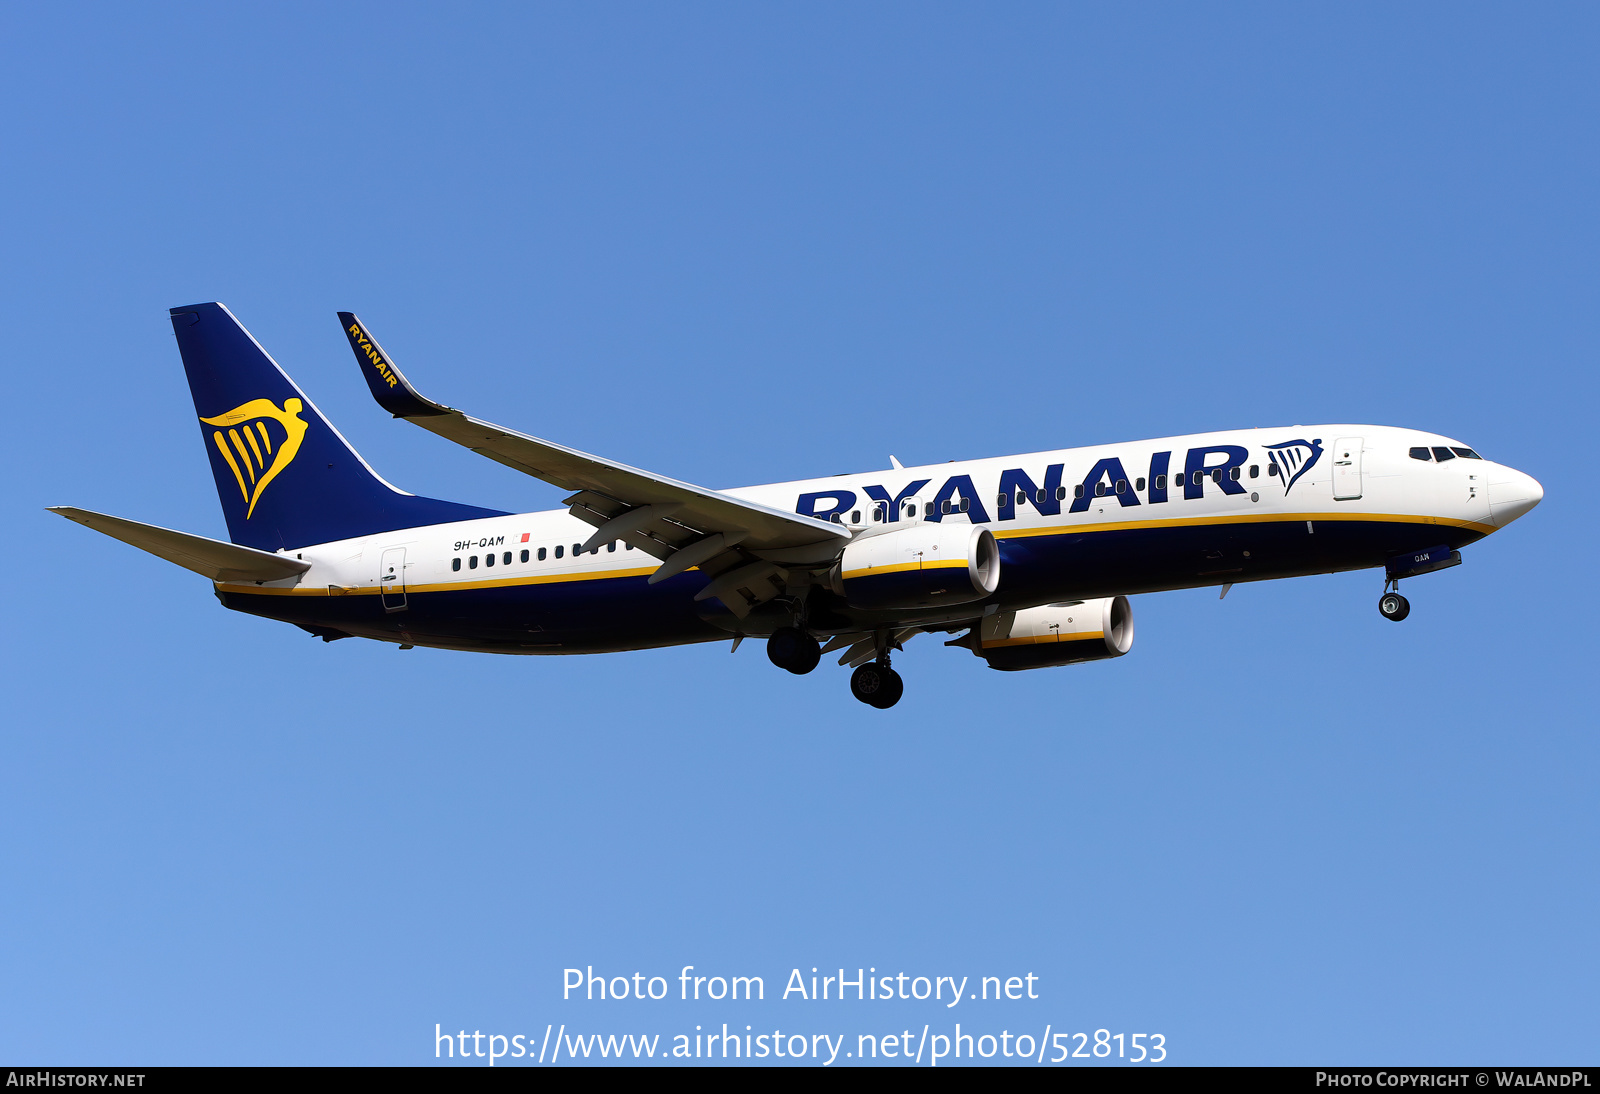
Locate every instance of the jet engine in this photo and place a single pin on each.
(1057, 634)
(925, 565)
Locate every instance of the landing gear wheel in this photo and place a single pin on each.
(793, 649)
(877, 685)
(1394, 607)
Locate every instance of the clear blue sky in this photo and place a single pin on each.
(740, 244)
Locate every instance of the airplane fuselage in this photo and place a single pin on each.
(1072, 524)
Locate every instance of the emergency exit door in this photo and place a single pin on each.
(1347, 469)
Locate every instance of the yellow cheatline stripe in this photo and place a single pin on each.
(1084, 636)
(875, 571)
(222, 446)
(233, 435)
(251, 437)
(900, 567)
(1009, 533)
(262, 427)
(443, 587)
(1238, 518)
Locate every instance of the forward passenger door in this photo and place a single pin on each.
(1347, 469)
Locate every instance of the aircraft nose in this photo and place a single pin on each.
(1511, 494)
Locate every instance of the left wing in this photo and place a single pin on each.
(744, 547)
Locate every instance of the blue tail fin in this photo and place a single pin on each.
(286, 477)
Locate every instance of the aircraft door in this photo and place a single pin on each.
(912, 512)
(392, 579)
(1347, 469)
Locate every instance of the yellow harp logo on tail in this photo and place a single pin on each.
(249, 448)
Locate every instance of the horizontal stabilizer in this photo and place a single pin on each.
(217, 560)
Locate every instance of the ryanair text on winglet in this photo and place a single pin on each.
(365, 345)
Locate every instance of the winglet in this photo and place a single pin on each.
(392, 390)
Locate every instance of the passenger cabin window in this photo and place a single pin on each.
(455, 564)
(1099, 489)
(965, 505)
(1161, 482)
(472, 563)
(927, 510)
(506, 558)
(1003, 500)
(1199, 477)
(1077, 491)
(1272, 470)
(559, 550)
(1138, 483)
(1421, 454)
(541, 554)
(855, 516)
(911, 510)
(611, 547)
(1061, 493)
(488, 560)
(1233, 473)
(1041, 497)
(1255, 471)
(524, 555)
(1122, 486)
(577, 549)
(1441, 453)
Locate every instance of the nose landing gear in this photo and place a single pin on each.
(1391, 605)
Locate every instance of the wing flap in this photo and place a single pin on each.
(209, 557)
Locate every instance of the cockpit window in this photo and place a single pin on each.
(1421, 454)
(1465, 453)
(1441, 453)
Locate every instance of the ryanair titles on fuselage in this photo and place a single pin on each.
(1223, 466)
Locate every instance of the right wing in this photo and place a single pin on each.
(211, 557)
(743, 546)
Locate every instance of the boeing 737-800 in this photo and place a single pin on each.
(1028, 560)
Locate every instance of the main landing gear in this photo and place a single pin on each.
(793, 649)
(877, 685)
(874, 683)
(1391, 605)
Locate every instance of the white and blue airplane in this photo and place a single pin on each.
(1028, 559)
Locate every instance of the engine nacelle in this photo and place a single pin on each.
(925, 565)
(1057, 634)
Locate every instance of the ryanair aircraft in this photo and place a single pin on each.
(1028, 560)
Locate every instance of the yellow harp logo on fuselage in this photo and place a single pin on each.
(248, 446)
